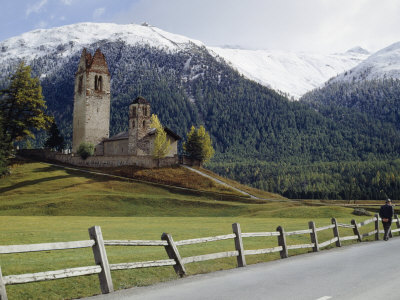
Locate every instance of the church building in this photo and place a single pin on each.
(91, 119)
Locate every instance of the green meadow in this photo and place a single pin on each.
(40, 203)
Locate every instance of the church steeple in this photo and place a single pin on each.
(139, 125)
(91, 100)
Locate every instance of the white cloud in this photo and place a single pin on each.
(66, 2)
(307, 25)
(36, 7)
(98, 12)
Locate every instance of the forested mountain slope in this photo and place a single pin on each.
(245, 119)
(253, 128)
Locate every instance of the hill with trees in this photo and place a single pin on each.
(251, 126)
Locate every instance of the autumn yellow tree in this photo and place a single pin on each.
(161, 143)
(198, 144)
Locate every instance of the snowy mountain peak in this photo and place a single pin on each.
(291, 73)
(383, 64)
(358, 50)
(72, 38)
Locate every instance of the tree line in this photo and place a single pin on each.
(364, 180)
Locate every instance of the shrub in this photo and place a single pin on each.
(85, 150)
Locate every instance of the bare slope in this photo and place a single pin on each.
(289, 72)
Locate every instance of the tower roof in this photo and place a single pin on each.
(96, 63)
(140, 100)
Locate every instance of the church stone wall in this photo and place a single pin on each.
(101, 161)
(118, 147)
(144, 146)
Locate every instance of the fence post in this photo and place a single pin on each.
(398, 221)
(100, 257)
(241, 260)
(3, 293)
(336, 232)
(356, 230)
(173, 253)
(377, 227)
(314, 236)
(282, 242)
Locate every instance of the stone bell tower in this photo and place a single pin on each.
(139, 126)
(91, 121)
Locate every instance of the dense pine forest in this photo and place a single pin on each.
(314, 148)
(376, 99)
(368, 179)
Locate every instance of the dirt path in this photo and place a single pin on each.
(220, 182)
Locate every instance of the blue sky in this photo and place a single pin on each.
(297, 25)
(22, 16)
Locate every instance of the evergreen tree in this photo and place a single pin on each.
(161, 142)
(55, 139)
(22, 106)
(198, 145)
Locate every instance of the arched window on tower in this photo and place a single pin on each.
(96, 83)
(100, 83)
(144, 124)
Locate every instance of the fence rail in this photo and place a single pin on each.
(134, 243)
(103, 268)
(45, 247)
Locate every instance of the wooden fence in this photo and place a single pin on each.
(103, 268)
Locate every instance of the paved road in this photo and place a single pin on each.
(363, 271)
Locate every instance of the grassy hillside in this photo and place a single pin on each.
(41, 189)
(41, 203)
(182, 177)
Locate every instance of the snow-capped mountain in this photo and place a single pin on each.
(372, 88)
(381, 65)
(67, 40)
(289, 72)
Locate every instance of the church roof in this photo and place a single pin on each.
(125, 135)
(119, 136)
(168, 131)
(140, 100)
(96, 62)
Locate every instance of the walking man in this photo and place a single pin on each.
(386, 213)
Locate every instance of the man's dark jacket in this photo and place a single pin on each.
(386, 211)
